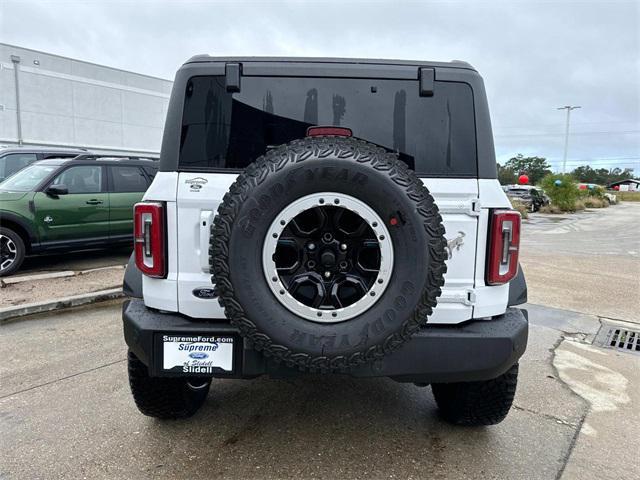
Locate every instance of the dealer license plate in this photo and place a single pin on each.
(197, 354)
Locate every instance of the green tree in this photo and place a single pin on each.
(506, 175)
(587, 174)
(534, 167)
(616, 174)
(562, 190)
(601, 176)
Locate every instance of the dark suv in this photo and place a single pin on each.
(532, 197)
(14, 159)
(326, 216)
(70, 204)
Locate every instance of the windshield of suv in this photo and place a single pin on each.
(28, 179)
(433, 135)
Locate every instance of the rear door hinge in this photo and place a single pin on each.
(475, 207)
(469, 207)
(206, 220)
(464, 296)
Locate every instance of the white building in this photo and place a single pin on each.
(67, 102)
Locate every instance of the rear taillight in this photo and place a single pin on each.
(504, 246)
(149, 238)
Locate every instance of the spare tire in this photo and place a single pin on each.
(328, 252)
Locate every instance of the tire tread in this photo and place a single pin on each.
(477, 403)
(295, 152)
(164, 398)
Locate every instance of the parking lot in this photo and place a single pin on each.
(587, 262)
(83, 260)
(66, 411)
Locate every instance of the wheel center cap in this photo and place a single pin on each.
(328, 258)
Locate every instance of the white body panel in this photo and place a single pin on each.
(162, 293)
(455, 199)
(463, 203)
(196, 210)
(490, 301)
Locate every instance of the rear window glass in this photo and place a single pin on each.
(433, 135)
(128, 179)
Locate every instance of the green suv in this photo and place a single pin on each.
(70, 204)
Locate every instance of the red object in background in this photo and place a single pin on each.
(523, 179)
(616, 187)
(582, 186)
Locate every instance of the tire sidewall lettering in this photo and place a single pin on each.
(263, 205)
(327, 165)
(377, 327)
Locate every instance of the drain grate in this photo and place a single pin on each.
(620, 338)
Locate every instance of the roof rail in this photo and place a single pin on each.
(93, 156)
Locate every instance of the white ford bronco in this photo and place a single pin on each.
(328, 216)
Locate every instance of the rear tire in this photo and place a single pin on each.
(12, 250)
(165, 398)
(477, 403)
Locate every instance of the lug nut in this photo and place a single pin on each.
(327, 274)
(343, 246)
(327, 237)
(311, 246)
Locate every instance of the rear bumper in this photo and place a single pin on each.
(475, 350)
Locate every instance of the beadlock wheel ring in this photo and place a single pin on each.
(375, 277)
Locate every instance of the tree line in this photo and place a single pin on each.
(536, 168)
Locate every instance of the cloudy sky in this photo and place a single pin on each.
(534, 55)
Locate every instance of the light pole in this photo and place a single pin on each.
(568, 108)
(16, 76)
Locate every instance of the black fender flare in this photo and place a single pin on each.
(132, 283)
(517, 289)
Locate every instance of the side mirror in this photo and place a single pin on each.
(55, 190)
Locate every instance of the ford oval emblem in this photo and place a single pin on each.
(204, 293)
(198, 355)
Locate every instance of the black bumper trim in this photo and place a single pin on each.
(475, 350)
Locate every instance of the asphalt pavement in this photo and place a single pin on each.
(76, 261)
(66, 410)
(588, 262)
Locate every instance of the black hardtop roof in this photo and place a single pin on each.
(356, 68)
(356, 61)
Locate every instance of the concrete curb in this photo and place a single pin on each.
(9, 313)
(4, 282)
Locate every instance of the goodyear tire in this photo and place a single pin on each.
(369, 243)
(477, 403)
(164, 398)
